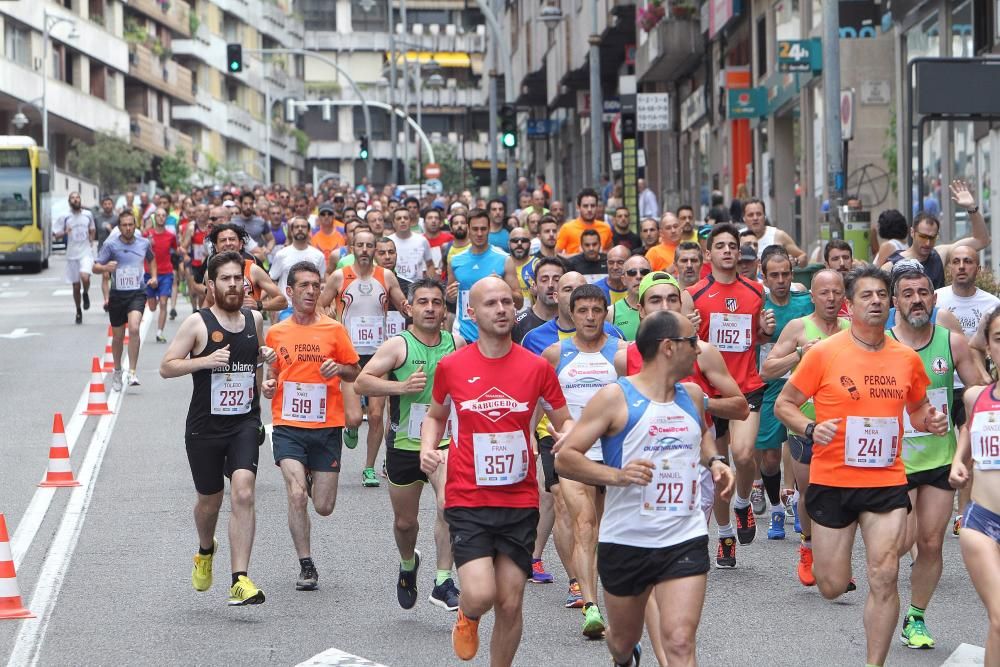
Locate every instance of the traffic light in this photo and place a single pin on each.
(508, 126)
(363, 151)
(234, 58)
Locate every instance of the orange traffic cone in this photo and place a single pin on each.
(97, 403)
(60, 471)
(10, 599)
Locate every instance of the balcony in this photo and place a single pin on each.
(157, 138)
(449, 97)
(164, 75)
(268, 19)
(446, 40)
(671, 49)
(175, 14)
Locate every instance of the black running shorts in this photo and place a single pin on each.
(839, 507)
(212, 459)
(627, 570)
(485, 532)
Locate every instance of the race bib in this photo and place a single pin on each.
(463, 305)
(232, 393)
(79, 233)
(501, 458)
(730, 332)
(765, 350)
(128, 278)
(673, 490)
(871, 442)
(418, 412)
(367, 331)
(939, 399)
(199, 252)
(394, 323)
(304, 402)
(985, 434)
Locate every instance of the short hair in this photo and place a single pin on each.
(411, 200)
(747, 232)
(836, 244)
(494, 201)
(590, 232)
(587, 192)
(756, 200)
(892, 225)
(621, 207)
(654, 329)
(385, 239)
(587, 291)
(228, 227)
(684, 207)
(364, 229)
(221, 259)
(690, 245)
(246, 195)
(105, 198)
(477, 213)
(424, 283)
(370, 212)
(301, 267)
(547, 220)
(772, 252)
(910, 275)
(126, 214)
(924, 216)
(866, 271)
(723, 228)
(550, 261)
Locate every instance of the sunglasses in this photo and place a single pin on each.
(528, 241)
(690, 340)
(637, 272)
(325, 213)
(213, 218)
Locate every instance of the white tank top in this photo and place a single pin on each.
(668, 510)
(767, 239)
(582, 374)
(364, 306)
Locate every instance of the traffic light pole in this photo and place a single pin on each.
(508, 96)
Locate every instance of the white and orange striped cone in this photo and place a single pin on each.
(109, 357)
(60, 472)
(10, 598)
(97, 402)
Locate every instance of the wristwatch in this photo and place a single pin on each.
(809, 430)
(718, 457)
(973, 210)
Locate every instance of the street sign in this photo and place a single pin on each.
(616, 131)
(434, 186)
(746, 102)
(432, 170)
(876, 93)
(541, 128)
(847, 114)
(652, 112)
(616, 160)
(800, 55)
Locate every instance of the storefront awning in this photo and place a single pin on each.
(442, 58)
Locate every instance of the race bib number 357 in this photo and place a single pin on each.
(501, 458)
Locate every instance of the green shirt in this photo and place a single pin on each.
(407, 412)
(626, 318)
(799, 305)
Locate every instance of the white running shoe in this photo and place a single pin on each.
(133, 380)
(116, 380)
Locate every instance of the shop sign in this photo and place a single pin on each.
(800, 55)
(746, 102)
(692, 108)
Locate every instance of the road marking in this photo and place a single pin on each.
(966, 655)
(13, 294)
(339, 658)
(19, 333)
(63, 292)
(28, 645)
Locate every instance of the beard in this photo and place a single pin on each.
(230, 302)
(460, 234)
(918, 320)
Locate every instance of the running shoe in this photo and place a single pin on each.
(726, 557)
(574, 598)
(368, 478)
(201, 573)
(116, 380)
(805, 567)
(593, 622)
(86, 300)
(746, 524)
(956, 527)
(757, 500)
(406, 585)
(465, 637)
(538, 573)
(173, 313)
(636, 655)
(243, 592)
(308, 578)
(776, 531)
(851, 585)
(79, 317)
(133, 379)
(915, 635)
(160, 338)
(350, 438)
(795, 511)
(445, 595)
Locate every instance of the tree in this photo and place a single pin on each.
(110, 161)
(175, 172)
(451, 168)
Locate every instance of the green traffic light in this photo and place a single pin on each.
(509, 140)
(364, 155)
(234, 66)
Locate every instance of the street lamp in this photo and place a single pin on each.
(20, 121)
(50, 21)
(550, 16)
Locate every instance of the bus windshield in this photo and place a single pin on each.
(15, 197)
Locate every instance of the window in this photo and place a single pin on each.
(319, 129)
(762, 47)
(786, 20)
(428, 16)
(380, 123)
(369, 16)
(17, 42)
(319, 14)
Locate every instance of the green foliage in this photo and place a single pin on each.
(134, 33)
(110, 161)
(987, 281)
(451, 168)
(193, 23)
(889, 152)
(175, 171)
(301, 141)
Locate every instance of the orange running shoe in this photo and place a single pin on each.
(806, 566)
(465, 637)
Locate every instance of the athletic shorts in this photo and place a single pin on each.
(721, 427)
(936, 477)
(317, 449)
(74, 267)
(801, 448)
(363, 359)
(548, 461)
(485, 532)
(402, 467)
(120, 304)
(164, 284)
(213, 458)
(755, 399)
(772, 433)
(839, 507)
(978, 518)
(628, 571)
(958, 407)
(198, 273)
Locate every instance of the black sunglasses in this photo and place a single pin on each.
(213, 218)
(528, 241)
(691, 340)
(325, 213)
(637, 272)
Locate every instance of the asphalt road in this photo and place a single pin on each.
(124, 594)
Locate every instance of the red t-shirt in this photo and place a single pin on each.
(162, 244)
(729, 315)
(492, 397)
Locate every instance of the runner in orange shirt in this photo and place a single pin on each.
(568, 240)
(661, 256)
(860, 381)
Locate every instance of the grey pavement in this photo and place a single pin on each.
(127, 597)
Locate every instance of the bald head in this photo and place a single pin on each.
(567, 283)
(491, 306)
(619, 252)
(487, 286)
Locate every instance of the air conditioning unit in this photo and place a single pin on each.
(450, 30)
(434, 29)
(451, 84)
(418, 28)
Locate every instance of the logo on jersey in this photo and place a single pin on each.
(365, 288)
(731, 304)
(217, 336)
(848, 384)
(494, 405)
(940, 366)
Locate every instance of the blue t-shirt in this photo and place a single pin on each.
(606, 288)
(131, 258)
(891, 322)
(500, 239)
(541, 337)
(469, 268)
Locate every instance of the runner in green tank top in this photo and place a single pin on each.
(624, 314)
(409, 360)
(928, 457)
(795, 340)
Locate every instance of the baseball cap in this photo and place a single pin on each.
(656, 278)
(229, 203)
(747, 253)
(325, 207)
(906, 265)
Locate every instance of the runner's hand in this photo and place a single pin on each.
(637, 471)
(767, 321)
(809, 344)
(695, 318)
(153, 282)
(267, 355)
(451, 293)
(959, 476)
(429, 461)
(824, 431)
(218, 359)
(936, 422)
(249, 302)
(415, 383)
(268, 387)
(559, 436)
(723, 478)
(960, 194)
(111, 266)
(329, 368)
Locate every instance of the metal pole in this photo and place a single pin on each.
(393, 130)
(831, 103)
(406, 98)
(267, 136)
(494, 163)
(45, 78)
(596, 99)
(419, 83)
(378, 105)
(508, 95)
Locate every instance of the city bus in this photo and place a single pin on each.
(25, 217)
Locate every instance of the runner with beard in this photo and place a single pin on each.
(220, 347)
(519, 241)
(459, 223)
(625, 312)
(79, 230)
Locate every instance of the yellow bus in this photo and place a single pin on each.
(25, 217)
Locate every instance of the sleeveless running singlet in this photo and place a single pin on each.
(581, 374)
(407, 412)
(626, 318)
(361, 308)
(985, 430)
(811, 331)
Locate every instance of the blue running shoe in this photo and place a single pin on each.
(776, 531)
